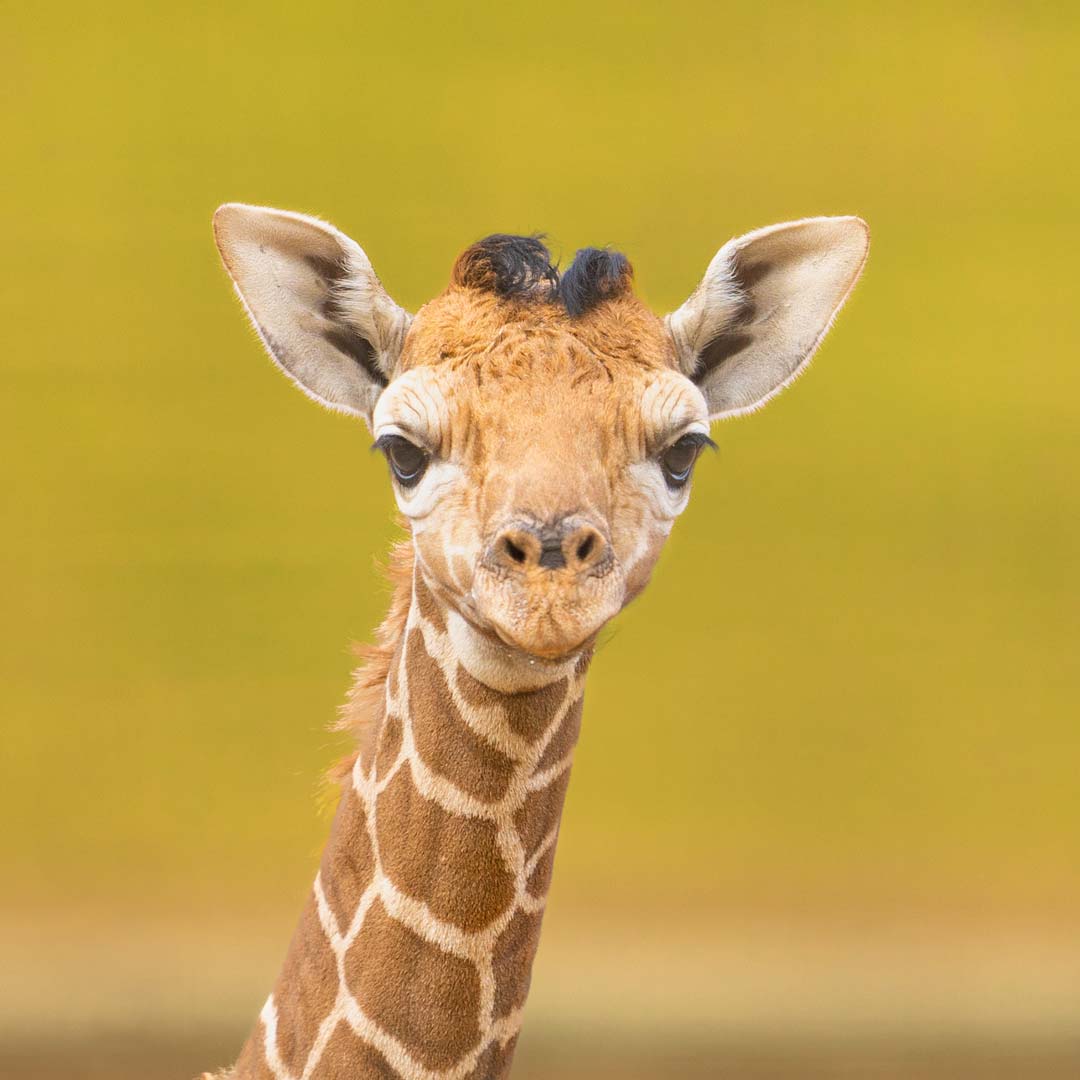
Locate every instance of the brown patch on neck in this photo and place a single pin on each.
(444, 740)
(346, 1054)
(528, 713)
(513, 960)
(449, 862)
(347, 863)
(434, 1011)
(494, 1062)
(303, 994)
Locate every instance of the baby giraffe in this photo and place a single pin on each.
(541, 431)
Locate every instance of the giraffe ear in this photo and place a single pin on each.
(316, 302)
(765, 303)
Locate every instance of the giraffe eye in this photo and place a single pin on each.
(677, 461)
(407, 460)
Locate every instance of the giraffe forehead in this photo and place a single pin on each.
(494, 416)
(479, 372)
(475, 329)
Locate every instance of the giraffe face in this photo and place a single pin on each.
(541, 428)
(540, 459)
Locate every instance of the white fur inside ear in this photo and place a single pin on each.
(713, 305)
(316, 303)
(364, 304)
(763, 307)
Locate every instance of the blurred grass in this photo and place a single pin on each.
(130, 1058)
(745, 996)
(854, 682)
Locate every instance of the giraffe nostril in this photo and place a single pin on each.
(515, 553)
(589, 547)
(565, 545)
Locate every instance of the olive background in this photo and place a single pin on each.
(825, 813)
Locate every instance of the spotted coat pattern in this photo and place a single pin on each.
(413, 955)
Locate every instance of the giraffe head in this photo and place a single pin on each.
(541, 429)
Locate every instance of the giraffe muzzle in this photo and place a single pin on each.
(547, 587)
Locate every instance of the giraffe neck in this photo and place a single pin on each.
(413, 955)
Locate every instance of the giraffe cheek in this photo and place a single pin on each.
(639, 571)
(431, 554)
(448, 552)
(445, 742)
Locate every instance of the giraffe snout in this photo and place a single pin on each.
(570, 544)
(546, 587)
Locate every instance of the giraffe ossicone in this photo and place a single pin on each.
(541, 431)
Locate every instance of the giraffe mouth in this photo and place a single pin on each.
(552, 620)
(551, 652)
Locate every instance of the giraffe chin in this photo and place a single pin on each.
(551, 649)
(553, 626)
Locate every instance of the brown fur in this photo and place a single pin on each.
(453, 861)
(466, 325)
(541, 415)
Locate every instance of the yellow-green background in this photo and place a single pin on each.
(828, 790)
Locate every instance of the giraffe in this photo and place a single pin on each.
(541, 430)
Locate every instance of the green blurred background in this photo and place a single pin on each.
(825, 819)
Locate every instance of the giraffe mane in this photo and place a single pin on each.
(365, 702)
(520, 268)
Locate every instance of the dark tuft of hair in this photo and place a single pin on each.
(514, 267)
(520, 268)
(595, 275)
